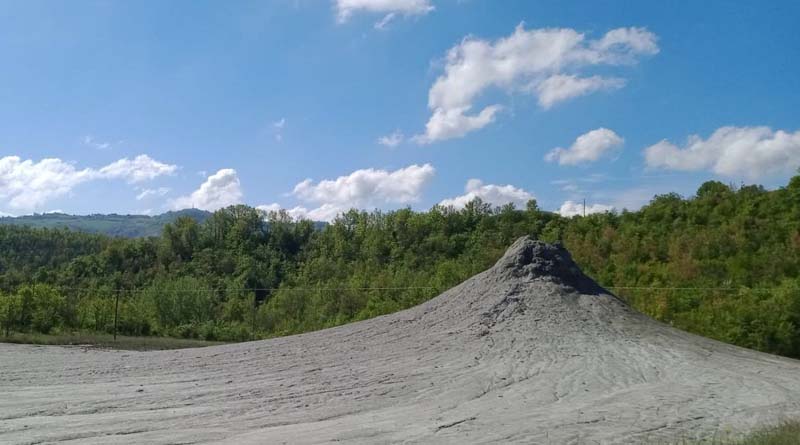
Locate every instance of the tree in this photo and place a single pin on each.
(10, 312)
(47, 306)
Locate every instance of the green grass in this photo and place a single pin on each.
(106, 341)
(784, 433)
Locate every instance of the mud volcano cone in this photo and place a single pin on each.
(529, 351)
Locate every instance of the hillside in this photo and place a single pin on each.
(724, 263)
(529, 351)
(128, 226)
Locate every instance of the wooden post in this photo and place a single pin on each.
(116, 315)
(253, 325)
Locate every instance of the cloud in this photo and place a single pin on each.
(222, 189)
(362, 189)
(572, 208)
(753, 152)
(278, 126)
(392, 140)
(588, 147)
(147, 193)
(368, 187)
(383, 23)
(455, 123)
(139, 169)
(325, 212)
(28, 185)
(543, 62)
(90, 141)
(570, 188)
(560, 87)
(346, 8)
(496, 195)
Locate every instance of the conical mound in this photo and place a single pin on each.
(531, 260)
(529, 351)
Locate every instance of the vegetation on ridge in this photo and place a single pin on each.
(724, 263)
(128, 226)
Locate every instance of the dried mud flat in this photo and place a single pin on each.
(530, 351)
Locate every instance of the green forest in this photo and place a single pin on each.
(130, 226)
(723, 263)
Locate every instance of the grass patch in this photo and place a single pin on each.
(106, 341)
(784, 433)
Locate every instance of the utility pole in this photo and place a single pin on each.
(584, 207)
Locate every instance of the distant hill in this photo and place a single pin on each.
(128, 226)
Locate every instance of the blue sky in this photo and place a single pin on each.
(317, 106)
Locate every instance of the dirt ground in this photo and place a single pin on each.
(530, 351)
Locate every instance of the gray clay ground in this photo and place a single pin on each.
(530, 351)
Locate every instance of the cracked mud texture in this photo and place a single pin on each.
(530, 351)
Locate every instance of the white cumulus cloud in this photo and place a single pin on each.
(28, 185)
(455, 123)
(560, 87)
(325, 212)
(544, 62)
(572, 208)
(141, 168)
(219, 190)
(391, 8)
(753, 152)
(496, 195)
(588, 147)
(368, 187)
(362, 189)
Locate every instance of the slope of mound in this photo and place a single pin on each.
(530, 351)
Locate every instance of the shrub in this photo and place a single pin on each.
(10, 312)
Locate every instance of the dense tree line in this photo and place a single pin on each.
(723, 263)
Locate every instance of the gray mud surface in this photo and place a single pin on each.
(530, 351)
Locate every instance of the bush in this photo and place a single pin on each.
(42, 308)
(96, 313)
(10, 312)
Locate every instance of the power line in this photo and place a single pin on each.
(386, 288)
(729, 289)
(247, 289)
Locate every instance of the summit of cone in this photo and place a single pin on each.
(537, 260)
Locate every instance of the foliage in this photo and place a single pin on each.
(10, 312)
(128, 226)
(724, 263)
